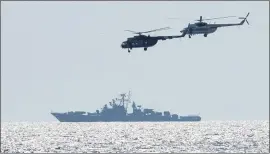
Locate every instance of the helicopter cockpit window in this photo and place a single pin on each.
(124, 43)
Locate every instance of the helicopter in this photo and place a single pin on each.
(205, 28)
(143, 41)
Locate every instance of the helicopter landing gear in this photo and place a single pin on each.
(129, 49)
(145, 49)
(205, 35)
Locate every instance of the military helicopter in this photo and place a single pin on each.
(205, 28)
(143, 41)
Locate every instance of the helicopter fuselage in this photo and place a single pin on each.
(139, 42)
(203, 29)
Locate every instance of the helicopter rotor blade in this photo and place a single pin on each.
(247, 22)
(247, 15)
(174, 18)
(215, 18)
(156, 30)
(131, 31)
(148, 31)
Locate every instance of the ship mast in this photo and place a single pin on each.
(128, 99)
(123, 99)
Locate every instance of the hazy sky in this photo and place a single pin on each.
(65, 56)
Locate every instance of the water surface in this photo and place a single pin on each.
(205, 136)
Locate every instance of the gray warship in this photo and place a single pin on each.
(117, 112)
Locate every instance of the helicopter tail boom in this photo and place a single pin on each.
(235, 24)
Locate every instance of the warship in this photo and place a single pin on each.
(117, 112)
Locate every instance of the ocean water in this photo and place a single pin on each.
(205, 136)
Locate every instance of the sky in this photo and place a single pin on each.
(66, 56)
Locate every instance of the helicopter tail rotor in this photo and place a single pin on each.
(245, 18)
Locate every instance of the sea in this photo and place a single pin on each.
(136, 137)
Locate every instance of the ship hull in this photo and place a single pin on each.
(89, 118)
